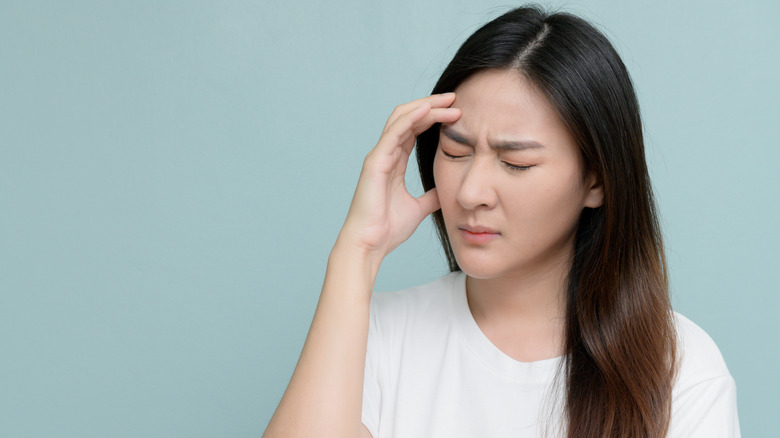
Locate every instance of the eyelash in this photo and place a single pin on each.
(511, 167)
(516, 168)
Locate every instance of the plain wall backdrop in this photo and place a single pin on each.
(173, 175)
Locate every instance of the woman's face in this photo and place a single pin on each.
(509, 178)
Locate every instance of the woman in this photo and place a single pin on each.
(555, 318)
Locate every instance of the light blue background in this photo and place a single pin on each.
(173, 175)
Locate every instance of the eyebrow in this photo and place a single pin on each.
(517, 145)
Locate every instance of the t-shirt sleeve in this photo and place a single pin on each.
(371, 389)
(705, 400)
(707, 410)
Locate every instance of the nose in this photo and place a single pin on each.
(477, 189)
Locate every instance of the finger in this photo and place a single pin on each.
(403, 132)
(429, 202)
(436, 100)
(435, 115)
(400, 130)
(413, 127)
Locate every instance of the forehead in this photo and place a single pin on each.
(502, 105)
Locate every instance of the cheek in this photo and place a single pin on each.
(543, 199)
(561, 203)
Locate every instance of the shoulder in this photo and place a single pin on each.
(704, 395)
(412, 308)
(697, 353)
(409, 299)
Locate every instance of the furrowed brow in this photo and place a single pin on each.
(502, 145)
(517, 145)
(456, 136)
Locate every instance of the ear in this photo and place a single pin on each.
(595, 191)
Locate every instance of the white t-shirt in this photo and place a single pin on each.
(431, 372)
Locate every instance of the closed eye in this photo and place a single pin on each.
(450, 155)
(510, 166)
(515, 167)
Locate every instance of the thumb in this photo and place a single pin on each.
(429, 202)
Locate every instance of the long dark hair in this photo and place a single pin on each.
(620, 355)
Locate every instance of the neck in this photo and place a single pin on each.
(523, 313)
(540, 296)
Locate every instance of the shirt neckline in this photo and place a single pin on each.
(484, 350)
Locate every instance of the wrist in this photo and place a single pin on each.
(346, 253)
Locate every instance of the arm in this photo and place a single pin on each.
(324, 396)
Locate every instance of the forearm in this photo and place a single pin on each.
(324, 396)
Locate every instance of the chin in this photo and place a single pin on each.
(481, 274)
(479, 268)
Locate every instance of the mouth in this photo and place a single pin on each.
(478, 229)
(478, 234)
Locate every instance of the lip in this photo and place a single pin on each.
(478, 233)
(478, 229)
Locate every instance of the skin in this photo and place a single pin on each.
(517, 278)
